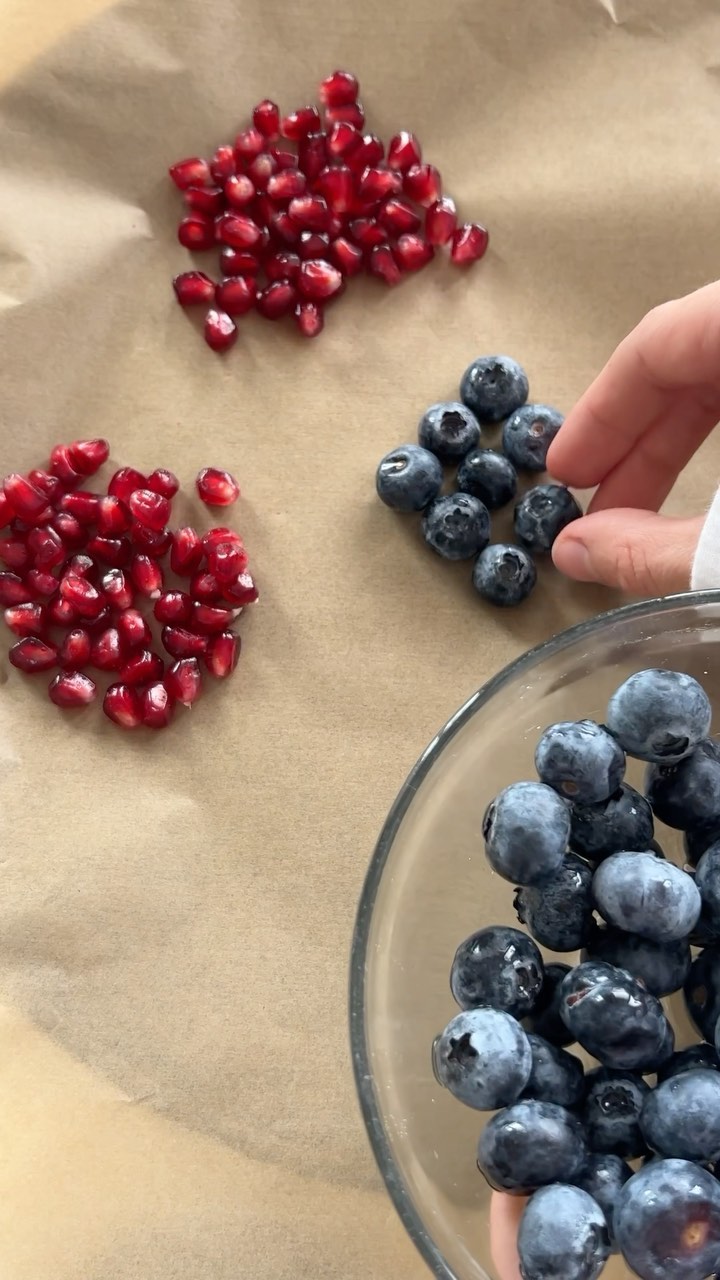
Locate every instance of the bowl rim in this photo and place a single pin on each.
(362, 1070)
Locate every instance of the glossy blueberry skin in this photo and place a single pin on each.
(563, 1235)
(611, 1112)
(556, 1076)
(702, 992)
(696, 1055)
(662, 966)
(489, 476)
(707, 879)
(602, 1177)
(687, 795)
(659, 715)
(699, 838)
(528, 434)
(498, 967)
(542, 513)
(457, 526)
(558, 913)
(526, 829)
(530, 1145)
(644, 894)
(408, 478)
(615, 1018)
(681, 1117)
(448, 430)
(623, 821)
(484, 1058)
(580, 760)
(667, 1221)
(494, 387)
(504, 575)
(545, 1019)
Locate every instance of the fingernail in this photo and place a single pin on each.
(572, 558)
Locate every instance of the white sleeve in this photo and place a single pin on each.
(706, 565)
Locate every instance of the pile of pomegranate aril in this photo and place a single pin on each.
(84, 585)
(300, 204)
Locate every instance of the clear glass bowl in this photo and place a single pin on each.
(429, 886)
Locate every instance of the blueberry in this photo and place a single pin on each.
(699, 838)
(530, 1145)
(489, 476)
(408, 478)
(611, 1113)
(659, 715)
(662, 966)
(644, 894)
(615, 1018)
(707, 879)
(545, 1018)
(494, 387)
(498, 967)
(602, 1176)
(505, 575)
(563, 1235)
(558, 912)
(556, 1076)
(681, 1117)
(542, 513)
(484, 1058)
(448, 430)
(528, 434)
(696, 1055)
(526, 829)
(624, 821)
(702, 992)
(581, 760)
(457, 526)
(687, 794)
(667, 1221)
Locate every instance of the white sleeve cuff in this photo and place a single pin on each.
(706, 565)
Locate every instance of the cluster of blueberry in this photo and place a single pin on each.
(580, 845)
(456, 525)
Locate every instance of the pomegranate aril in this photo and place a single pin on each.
(216, 487)
(287, 184)
(283, 229)
(134, 630)
(236, 295)
(61, 613)
(227, 559)
(266, 118)
(14, 553)
(338, 88)
(346, 256)
(404, 151)
(469, 243)
(205, 587)
(126, 481)
(209, 200)
(173, 606)
(319, 280)
(222, 164)
(82, 505)
(263, 213)
(193, 172)
(113, 516)
(13, 590)
(72, 689)
(123, 706)
(312, 154)
(69, 529)
(342, 139)
(82, 595)
(207, 618)
(163, 482)
(248, 145)
(222, 653)
(285, 159)
(155, 542)
(25, 500)
(368, 233)
(238, 230)
(313, 244)
(41, 583)
(6, 512)
(114, 552)
(108, 650)
(337, 186)
(309, 213)
(378, 184)
(368, 154)
(276, 300)
(142, 666)
(193, 288)
(147, 575)
(26, 619)
(32, 655)
(281, 266)
(413, 252)
(238, 262)
(239, 191)
(62, 468)
(158, 705)
(346, 113)
(187, 551)
(309, 318)
(440, 221)
(116, 589)
(220, 330)
(300, 123)
(44, 482)
(181, 643)
(398, 216)
(47, 548)
(75, 649)
(197, 232)
(184, 681)
(240, 592)
(261, 170)
(150, 508)
(383, 264)
(218, 534)
(423, 183)
(103, 620)
(82, 565)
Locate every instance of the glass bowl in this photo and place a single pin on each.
(428, 886)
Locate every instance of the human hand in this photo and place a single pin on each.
(630, 435)
(505, 1215)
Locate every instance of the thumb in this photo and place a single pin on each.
(640, 552)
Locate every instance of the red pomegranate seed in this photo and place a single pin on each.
(82, 595)
(222, 165)
(42, 481)
(319, 280)
(122, 705)
(285, 159)
(238, 230)
(41, 583)
(6, 512)
(343, 139)
(205, 587)
(398, 216)
(413, 252)
(423, 183)
(286, 185)
(69, 529)
(226, 560)
(134, 630)
(368, 233)
(242, 591)
(74, 652)
(163, 482)
(282, 266)
(220, 330)
(181, 643)
(47, 548)
(71, 690)
(283, 229)
(338, 88)
(187, 552)
(346, 113)
(126, 481)
(469, 243)
(216, 487)
(13, 590)
(142, 666)
(116, 589)
(309, 213)
(193, 288)
(236, 295)
(309, 318)
(150, 508)
(184, 681)
(248, 145)
(383, 264)
(15, 554)
(197, 232)
(207, 618)
(218, 534)
(239, 191)
(379, 184)
(300, 123)
(62, 468)
(440, 221)
(222, 653)
(173, 606)
(193, 172)
(347, 257)
(108, 650)
(25, 500)
(337, 186)
(209, 200)
(84, 566)
(276, 300)
(266, 118)
(238, 262)
(158, 705)
(313, 244)
(103, 620)
(113, 516)
(263, 213)
(312, 154)
(61, 613)
(155, 542)
(26, 619)
(261, 170)
(32, 655)
(84, 506)
(367, 155)
(114, 552)
(147, 575)
(404, 151)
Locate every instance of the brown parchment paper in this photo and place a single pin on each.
(176, 912)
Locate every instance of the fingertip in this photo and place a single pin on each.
(505, 1214)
